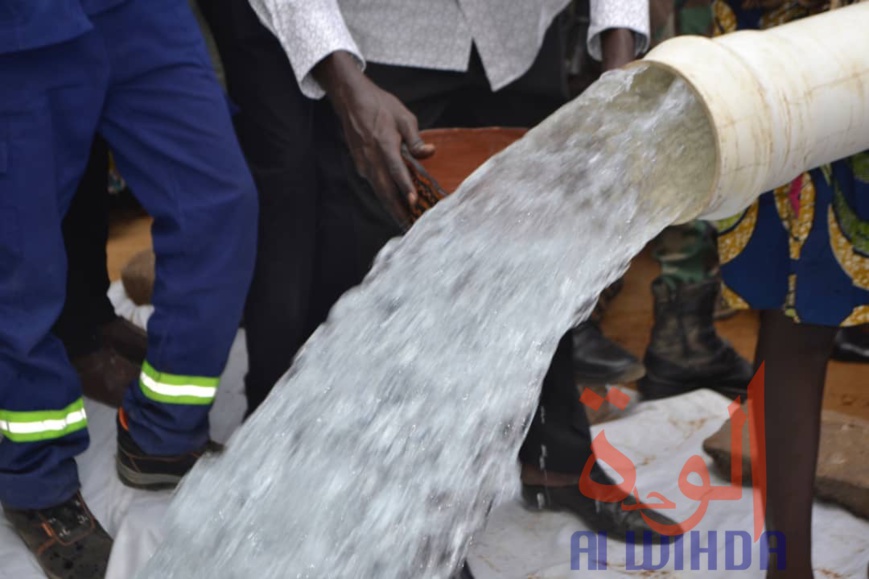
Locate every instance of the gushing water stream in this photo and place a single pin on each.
(379, 454)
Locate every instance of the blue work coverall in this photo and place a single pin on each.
(137, 72)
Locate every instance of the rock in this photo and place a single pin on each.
(843, 466)
(138, 277)
(718, 447)
(843, 462)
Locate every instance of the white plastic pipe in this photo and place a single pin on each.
(780, 101)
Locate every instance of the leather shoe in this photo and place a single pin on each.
(598, 516)
(128, 339)
(105, 375)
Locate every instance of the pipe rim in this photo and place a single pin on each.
(707, 198)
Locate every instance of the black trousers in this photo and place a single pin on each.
(85, 234)
(320, 224)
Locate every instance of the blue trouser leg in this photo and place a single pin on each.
(142, 77)
(49, 108)
(168, 124)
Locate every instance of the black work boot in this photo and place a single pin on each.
(686, 353)
(142, 471)
(598, 360)
(67, 540)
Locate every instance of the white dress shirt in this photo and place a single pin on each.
(434, 34)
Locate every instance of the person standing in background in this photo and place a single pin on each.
(799, 255)
(685, 351)
(137, 73)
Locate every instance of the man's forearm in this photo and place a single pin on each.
(623, 25)
(618, 46)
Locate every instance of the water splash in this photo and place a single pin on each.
(379, 454)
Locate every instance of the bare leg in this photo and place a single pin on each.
(796, 358)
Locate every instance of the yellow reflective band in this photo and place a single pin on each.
(177, 389)
(33, 426)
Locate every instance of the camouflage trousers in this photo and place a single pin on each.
(687, 253)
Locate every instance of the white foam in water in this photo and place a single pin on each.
(378, 455)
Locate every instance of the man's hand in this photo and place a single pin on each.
(375, 126)
(618, 48)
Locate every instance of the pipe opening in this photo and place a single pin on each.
(691, 155)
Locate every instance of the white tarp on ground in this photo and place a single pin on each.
(658, 437)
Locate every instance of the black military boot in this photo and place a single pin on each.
(686, 353)
(67, 540)
(598, 360)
